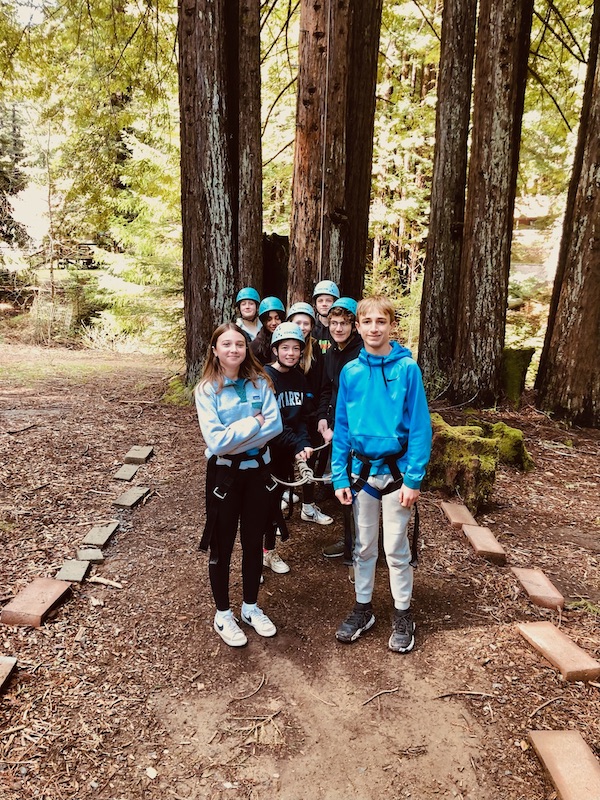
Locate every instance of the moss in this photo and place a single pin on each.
(515, 363)
(462, 459)
(178, 393)
(511, 444)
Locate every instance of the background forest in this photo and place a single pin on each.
(90, 206)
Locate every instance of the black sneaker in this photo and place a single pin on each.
(402, 639)
(360, 620)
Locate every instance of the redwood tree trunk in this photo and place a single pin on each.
(334, 139)
(500, 77)
(568, 380)
(250, 257)
(365, 26)
(439, 304)
(207, 192)
(319, 154)
(219, 98)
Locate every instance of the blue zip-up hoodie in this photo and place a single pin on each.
(381, 406)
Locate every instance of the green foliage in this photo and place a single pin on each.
(178, 393)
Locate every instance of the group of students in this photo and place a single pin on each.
(275, 387)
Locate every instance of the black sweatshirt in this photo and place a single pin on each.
(291, 391)
(334, 361)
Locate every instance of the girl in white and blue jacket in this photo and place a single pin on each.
(238, 416)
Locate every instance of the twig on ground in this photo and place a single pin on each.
(474, 694)
(547, 703)
(26, 428)
(258, 688)
(378, 694)
(327, 703)
(105, 581)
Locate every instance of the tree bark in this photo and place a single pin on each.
(319, 138)
(206, 178)
(500, 77)
(333, 149)
(568, 379)
(441, 281)
(365, 26)
(220, 163)
(250, 257)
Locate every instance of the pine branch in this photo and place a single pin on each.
(543, 86)
(274, 103)
(557, 35)
(428, 21)
(570, 32)
(278, 153)
(291, 12)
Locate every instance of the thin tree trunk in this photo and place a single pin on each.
(568, 380)
(500, 78)
(439, 302)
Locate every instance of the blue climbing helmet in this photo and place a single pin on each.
(347, 303)
(270, 304)
(301, 308)
(326, 287)
(247, 293)
(287, 330)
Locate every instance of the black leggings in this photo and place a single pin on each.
(247, 501)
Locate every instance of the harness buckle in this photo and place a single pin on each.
(220, 494)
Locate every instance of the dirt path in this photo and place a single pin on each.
(128, 693)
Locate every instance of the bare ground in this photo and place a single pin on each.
(128, 693)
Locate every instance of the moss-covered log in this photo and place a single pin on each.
(464, 458)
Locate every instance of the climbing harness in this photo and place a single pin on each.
(360, 483)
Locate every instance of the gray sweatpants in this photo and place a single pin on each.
(395, 543)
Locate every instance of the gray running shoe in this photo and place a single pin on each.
(402, 639)
(359, 621)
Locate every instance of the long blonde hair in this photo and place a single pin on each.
(212, 372)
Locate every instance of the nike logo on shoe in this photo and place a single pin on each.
(220, 627)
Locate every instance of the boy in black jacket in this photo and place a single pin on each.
(346, 347)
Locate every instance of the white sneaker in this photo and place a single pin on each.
(226, 626)
(259, 621)
(286, 497)
(284, 505)
(272, 559)
(315, 515)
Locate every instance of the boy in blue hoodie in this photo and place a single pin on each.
(381, 446)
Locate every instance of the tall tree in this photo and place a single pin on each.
(439, 304)
(365, 25)
(217, 157)
(500, 77)
(568, 379)
(334, 123)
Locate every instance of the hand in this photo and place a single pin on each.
(322, 426)
(305, 454)
(327, 434)
(408, 497)
(344, 496)
(260, 419)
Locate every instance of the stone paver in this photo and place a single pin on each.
(569, 762)
(7, 664)
(73, 570)
(34, 602)
(131, 497)
(458, 515)
(100, 534)
(574, 663)
(542, 592)
(138, 454)
(485, 543)
(127, 472)
(93, 554)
